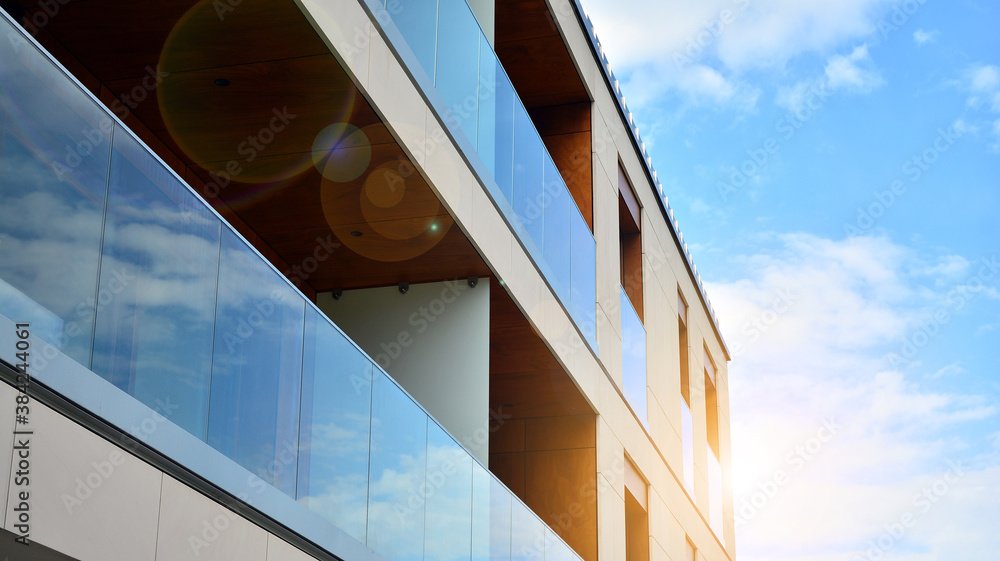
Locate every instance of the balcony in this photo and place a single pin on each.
(118, 263)
(452, 59)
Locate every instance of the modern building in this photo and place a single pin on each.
(344, 279)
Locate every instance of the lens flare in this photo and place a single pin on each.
(341, 152)
(264, 123)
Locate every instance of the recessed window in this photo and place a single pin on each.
(630, 239)
(687, 418)
(711, 405)
(636, 517)
(714, 458)
(683, 349)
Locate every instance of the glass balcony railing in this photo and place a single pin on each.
(119, 264)
(450, 46)
(634, 359)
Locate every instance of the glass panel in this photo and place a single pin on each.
(480, 513)
(500, 521)
(715, 493)
(417, 22)
(335, 426)
(156, 305)
(458, 64)
(496, 124)
(398, 462)
(54, 150)
(257, 366)
(557, 204)
(556, 549)
(709, 367)
(449, 498)
(487, 116)
(527, 536)
(687, 441)
(633, 359)
(528, 150)
(583, 263)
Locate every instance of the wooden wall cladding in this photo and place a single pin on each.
(543, 439)
(566, 132)
(550, 463)
(532, 51)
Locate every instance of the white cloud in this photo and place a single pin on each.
(795, 97)
(854, 71)
(982, 83)
(987, 328)
(701, 207)
(963, 128)
(983, 79)
(922, 37)
(953, 369)
(947, 268)
(778, 30)
(707, 211)
(821, 356)
(696, 84)
(742, 34)
(703, 49)
(703, 80)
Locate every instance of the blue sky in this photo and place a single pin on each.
(835, 169)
